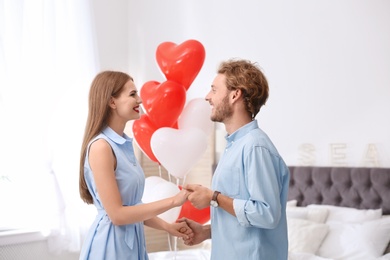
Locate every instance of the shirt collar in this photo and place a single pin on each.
(115, 137)
(241, 131)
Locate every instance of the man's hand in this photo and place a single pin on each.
(200, 196)
(199, 232)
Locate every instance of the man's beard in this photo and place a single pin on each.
(222, 111)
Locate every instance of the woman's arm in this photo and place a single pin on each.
(102, 162)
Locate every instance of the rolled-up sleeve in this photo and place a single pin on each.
(262, 209)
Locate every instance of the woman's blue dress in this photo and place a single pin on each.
(105, 240)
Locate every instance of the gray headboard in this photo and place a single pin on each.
(354, 187)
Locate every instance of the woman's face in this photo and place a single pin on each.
(128, 103)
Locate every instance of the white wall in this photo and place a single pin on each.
(112, 30)
(327, 63)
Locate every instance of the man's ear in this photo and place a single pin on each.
(236, 94)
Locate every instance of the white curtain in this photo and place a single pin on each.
(47, 62)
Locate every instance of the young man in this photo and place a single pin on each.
(250, 183)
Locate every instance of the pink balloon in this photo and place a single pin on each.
(178, 150)
(196, 114)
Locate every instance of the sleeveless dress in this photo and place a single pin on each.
(104, 239)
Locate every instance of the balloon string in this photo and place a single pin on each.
(180, 182)
(175, 246)
(159, 170)
(172, 244)
(169, 242)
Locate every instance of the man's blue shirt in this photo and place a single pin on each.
(252, 172)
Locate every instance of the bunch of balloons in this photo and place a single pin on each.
(170, 132)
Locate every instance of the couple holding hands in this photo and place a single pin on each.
(249, 186)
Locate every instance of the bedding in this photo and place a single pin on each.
(347, 233)
(312, 214)
(357, 205)
(333, 213)
(365, 240)
(345, 214)
(305, 236)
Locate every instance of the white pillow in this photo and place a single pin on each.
(351, 215)
(358, 241)
(305, 236)
(291, 203)
(312, 214)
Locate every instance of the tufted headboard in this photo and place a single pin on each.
(361, 188)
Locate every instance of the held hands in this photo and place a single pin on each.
(199, 232)
(181, 229)
(199, 195)
(191, 231)
(180, 198)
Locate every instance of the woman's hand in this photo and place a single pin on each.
(180, 230)
(180, 197)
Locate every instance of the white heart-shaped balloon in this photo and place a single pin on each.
(157, 188)
(196, 114)
(150, 183)
(178, 150)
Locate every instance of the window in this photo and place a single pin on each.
(47, 61)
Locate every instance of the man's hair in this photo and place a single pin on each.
(246, 76)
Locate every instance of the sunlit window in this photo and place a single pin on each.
(47, 61)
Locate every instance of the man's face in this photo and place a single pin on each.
(218, 97)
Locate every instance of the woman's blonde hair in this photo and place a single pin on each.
(105, 85)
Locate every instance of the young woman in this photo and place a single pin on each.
(112, 179)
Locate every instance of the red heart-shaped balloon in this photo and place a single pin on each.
(163, 102)
(199, 215)
(181, 63)
(143, 130)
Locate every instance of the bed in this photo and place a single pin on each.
(339, 213)
(335, 213)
